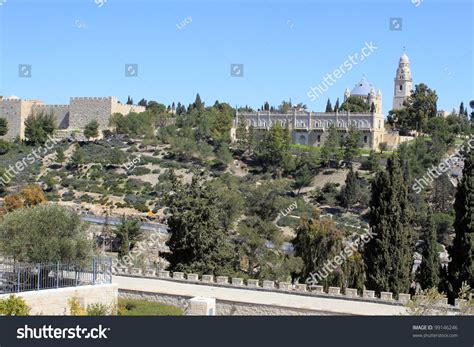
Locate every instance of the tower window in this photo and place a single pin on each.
(401, 87)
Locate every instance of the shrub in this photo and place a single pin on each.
(14, 306)
(140, 171)
(99, 310)
(129, 307)
(4, 147)
(75, 307)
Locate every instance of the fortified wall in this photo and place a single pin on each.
(75, 116)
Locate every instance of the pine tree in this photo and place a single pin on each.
(198, 103)
(388, 256)
(352, 143)
(329, 106)
(336, 105)
(461, 267)
(349, 192)
(330, 148)
(199, 242)
(428, 274)
(266, 106)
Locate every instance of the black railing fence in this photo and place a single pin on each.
(19, 277)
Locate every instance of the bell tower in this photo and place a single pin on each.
(403, 84)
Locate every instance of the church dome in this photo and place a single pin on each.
(404, 59)
(362, 88)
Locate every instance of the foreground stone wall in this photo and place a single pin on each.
(223, 308)
(54, 302)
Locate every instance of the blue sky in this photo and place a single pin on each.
(79, 48)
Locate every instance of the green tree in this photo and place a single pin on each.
(128, 233)
(3, 126)
(54, 234)
(38, 127)
(421, 106)
(349, 193)
(352, 143)
(317, 243)
(388, 256)
(372, 163)
(77, 158)
(198, 242)
(91, 130)
(264, 262)
(461, 267)
(272, 151)
(428, 275)
(60, 157)
(355, 104)
(198, 104)
(329, 106)
(330, 149)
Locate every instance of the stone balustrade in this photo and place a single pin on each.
(297, 288)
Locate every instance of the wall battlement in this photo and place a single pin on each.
(288, 288)
(87, 98)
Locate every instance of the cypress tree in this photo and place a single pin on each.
(329, 106)
(461, 267)
(336, 105)
(349, 192)
(428, 274)
(388, 255)
(198, 103)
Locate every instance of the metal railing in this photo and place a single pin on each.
(18, 277)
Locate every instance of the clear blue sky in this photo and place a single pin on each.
(77, 48)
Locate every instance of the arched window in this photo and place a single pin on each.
(365, 139)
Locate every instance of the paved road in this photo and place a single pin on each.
(157, 227)
(160, 228)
